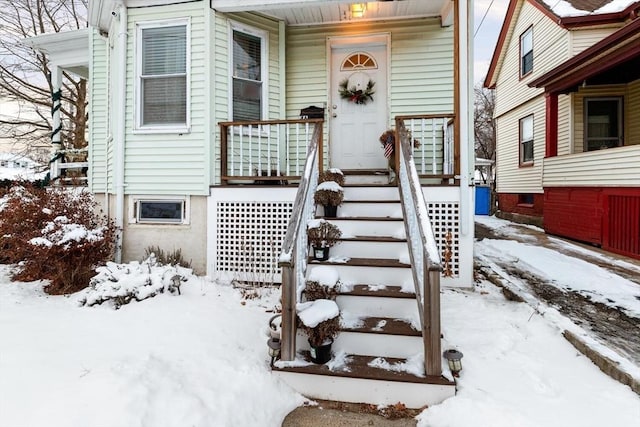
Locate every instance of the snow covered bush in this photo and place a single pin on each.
(120, 284)
(54, 234)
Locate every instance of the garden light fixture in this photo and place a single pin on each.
(454, 359)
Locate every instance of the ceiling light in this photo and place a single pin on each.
(358, 10)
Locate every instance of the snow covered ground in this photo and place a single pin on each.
(200, 359)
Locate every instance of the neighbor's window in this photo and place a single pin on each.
(526, 140)
(162, 75)
(248, 75)
(526, 52)
(525, 199)
(160, 211)
(602, 123)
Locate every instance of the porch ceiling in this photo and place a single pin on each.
(309, 12)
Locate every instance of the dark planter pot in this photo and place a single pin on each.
(330, 211)
(322, 354)
(320, 254)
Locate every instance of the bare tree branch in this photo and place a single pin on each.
(25, 76)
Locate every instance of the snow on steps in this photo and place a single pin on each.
(378, 309)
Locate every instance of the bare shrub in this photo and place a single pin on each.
(54, 234)
(167, 258)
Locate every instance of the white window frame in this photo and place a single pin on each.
(527, 32)
(134, 209)
(173, 127)
(264, 60)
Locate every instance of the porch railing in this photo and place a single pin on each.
(425, 258)
(64, 161)
(433, 142)
(266, 151)
(293, 259)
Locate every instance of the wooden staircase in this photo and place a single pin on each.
(378, 355)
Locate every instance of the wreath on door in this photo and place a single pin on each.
(355, 95)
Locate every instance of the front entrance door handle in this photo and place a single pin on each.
(334, 106)
(334, 115)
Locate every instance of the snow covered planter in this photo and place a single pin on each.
(54, 234)
(329, 192)
(322, 235)
(120, 284)
(320, 320)
(323, 283)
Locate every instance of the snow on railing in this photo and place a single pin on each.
(423, 250)
(271, 150)
(293, 258)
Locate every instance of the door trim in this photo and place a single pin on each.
(356, 41)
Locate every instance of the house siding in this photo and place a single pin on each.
(418, 46)
(169, 163)
(632, 113)
(581, 39)
(565, 124)
(511, 177)
(99, 149)
(550, 48)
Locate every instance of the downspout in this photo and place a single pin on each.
(119, 134)
(465, 82)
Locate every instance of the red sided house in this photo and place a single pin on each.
(567, 81)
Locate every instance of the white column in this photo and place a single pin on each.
(56, 140)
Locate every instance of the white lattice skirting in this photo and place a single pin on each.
(247, 227)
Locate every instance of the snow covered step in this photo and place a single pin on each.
(374, 178)
(352, 227)
(370, 344)
(367, 192)
(366, 208)
(370, 248)
(378, 306)
(369, 271)
(363, 379)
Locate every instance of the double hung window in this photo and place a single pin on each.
(526, 52)
(602, 123)
(248, 74)
(526, 140)
(163, 78)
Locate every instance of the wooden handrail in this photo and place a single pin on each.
(270, 122)
(423, 250)
(289, 262)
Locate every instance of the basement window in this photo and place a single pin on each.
(160, 210)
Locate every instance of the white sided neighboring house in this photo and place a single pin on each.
(567, 81)
(18, 168)
(210, 122)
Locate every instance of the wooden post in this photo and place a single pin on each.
(320, 148)
(288, 339)
(551, 129)
(431, 332)
(223, 154)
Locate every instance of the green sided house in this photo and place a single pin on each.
(210, 122)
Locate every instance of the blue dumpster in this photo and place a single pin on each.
(483, 200)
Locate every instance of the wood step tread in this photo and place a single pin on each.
(377, 291)
(381, 239)
(382, 326)
(365, 218)
(358, 366)
(380, 172)
(394, 201)
(361, 262)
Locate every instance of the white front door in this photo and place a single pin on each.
(358, 121)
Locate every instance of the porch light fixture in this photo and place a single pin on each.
(454, 360)
(358, 10)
